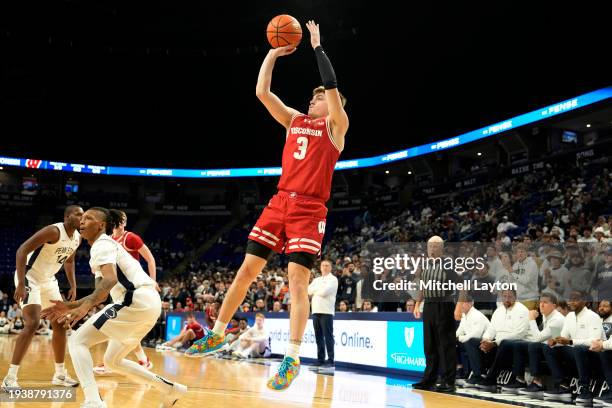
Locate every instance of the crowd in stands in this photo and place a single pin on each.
(552, 213)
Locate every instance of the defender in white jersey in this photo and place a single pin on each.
(123, 323)
(38, 259)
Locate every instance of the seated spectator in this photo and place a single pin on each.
(232, 337)
(276, 307)
(409, 306)
(472, 327)
(5, 325)
(192, 331)
(260, 306)
(13, 312)
(581, 327)
(368, 307)
(510, 322)
(531, 352)
(254, 342)
(343, 306)
(17, 326)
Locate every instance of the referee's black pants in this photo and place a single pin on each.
(439, 339)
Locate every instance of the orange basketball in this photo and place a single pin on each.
(284, 30)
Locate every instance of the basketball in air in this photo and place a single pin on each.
(284, 30)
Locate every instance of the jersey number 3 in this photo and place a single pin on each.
(302, 146)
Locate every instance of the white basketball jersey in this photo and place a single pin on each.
(130, 274)
(45, 261)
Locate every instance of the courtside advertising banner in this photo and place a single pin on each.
(357, 341)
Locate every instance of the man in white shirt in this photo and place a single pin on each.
(531, 351)
(505, 225)
(509, 323)
(580, 328)
(254, 341)
(469, 334)
(323, 291)
(525, 273)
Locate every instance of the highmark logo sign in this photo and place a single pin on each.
(405, 346)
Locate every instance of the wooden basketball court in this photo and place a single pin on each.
(218, 382)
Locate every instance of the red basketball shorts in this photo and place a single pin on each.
(291, 223)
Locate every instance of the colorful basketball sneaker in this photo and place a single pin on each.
(208, 344)
(288, 370)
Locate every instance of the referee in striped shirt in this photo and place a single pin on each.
(438, 322)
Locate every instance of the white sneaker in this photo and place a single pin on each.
(146, 364)
(101, 370)
(64, 380)
(178, 390)
(9, 383)
(93, 404)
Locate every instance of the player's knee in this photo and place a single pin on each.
(31, 325)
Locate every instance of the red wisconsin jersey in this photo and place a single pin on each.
(309, 157)
(131, 242)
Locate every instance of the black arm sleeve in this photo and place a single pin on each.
(328, 76)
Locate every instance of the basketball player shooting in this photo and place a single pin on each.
(294, 220)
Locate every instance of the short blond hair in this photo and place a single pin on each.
(260, 315)
(321, 89)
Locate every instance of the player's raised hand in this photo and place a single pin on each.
(282, 51)
(315, 35)
(52, 313)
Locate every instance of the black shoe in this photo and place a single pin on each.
(460, 375)
(422, 385)
(487, 384)
(558, 393)
(315, 366)
(585, 397)
(472, 382)
(605, 399)
(446, 387)
(513, 387)
(533, 390)
(327, 368)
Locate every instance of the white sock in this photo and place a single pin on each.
(293, 351)
(141, 355)
(219, 328)
(13, 370)
(60, 369)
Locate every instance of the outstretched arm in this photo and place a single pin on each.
(338, 118)
(279, 111)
